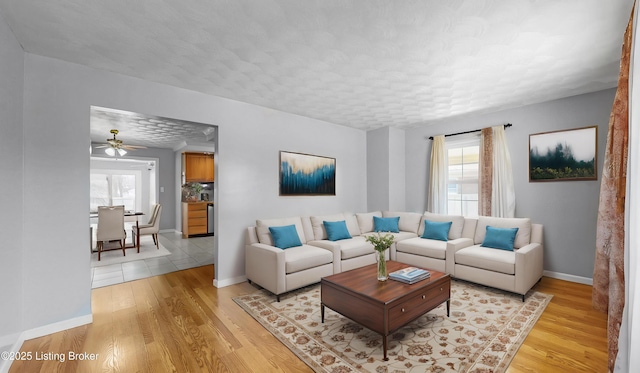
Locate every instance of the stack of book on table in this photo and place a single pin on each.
(410, 275)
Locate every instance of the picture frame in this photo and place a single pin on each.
(307, 175)
(564, 155)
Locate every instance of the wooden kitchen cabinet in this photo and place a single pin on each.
(198, 167)
(194, 218)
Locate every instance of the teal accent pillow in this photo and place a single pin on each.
(436, 230)
(499, 238)
(285, 236)
(336, 230)
(386, 224)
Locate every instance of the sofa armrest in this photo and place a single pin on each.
(250, 236)
(452, 247)
(334, 247)
(529, 267)
(265, 265)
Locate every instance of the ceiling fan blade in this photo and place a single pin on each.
(102, 146)
(133, 147)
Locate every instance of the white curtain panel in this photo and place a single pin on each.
(629, 338)
(437, 197)
(503, 195)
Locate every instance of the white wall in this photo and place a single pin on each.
(568, 209)
(57, 99)
(11, 186)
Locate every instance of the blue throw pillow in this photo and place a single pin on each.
(436, 230)
(285, 237)
(336, 230)
(386, 224)
(500, 238)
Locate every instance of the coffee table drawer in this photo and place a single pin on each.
(418, 304)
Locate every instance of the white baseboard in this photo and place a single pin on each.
(230, 281)
(571, 278)
(57, 327)
(16, 340)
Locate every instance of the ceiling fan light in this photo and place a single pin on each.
(110, 151)
(122, 152)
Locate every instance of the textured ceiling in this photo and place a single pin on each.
(359, 63)
(147, 130)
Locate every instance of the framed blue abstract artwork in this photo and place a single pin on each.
(307, 175)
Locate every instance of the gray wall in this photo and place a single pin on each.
(378, 169)
(11, 185)
(386, 169)
(568, 209)
(55, 284)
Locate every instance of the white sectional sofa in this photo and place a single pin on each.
(459, 251)
(279, 270)
(433, 253)
(408, 224)
(514, 270)
(348, 253)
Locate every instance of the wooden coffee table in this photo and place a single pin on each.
(383, 306)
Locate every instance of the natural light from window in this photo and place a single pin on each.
(114, 189)
(462, 177)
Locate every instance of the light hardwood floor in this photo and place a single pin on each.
(179, 322)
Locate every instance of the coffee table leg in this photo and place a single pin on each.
(448, 303)
(384, 347)
(322, 312)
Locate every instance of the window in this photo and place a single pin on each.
(463, 157)
(112, 188)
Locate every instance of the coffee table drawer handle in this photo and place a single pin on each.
(424, 297)
(402, 310)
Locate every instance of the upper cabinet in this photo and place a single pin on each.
(198, 167)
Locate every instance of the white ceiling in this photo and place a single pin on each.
(359, 63)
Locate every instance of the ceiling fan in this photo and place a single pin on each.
(114, 146)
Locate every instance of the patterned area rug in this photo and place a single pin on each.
(483, 333)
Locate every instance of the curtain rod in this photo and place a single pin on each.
(465, 132)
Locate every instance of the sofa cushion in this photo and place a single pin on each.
(365, 221)
(264, 235)
(423, 247)
(397, 237)
(349, 248)
(523, 237)
(436, 230)
(320, 232)
(317, 224)
(457, 223)
(304, 257)
(502, 261)
(336, 230)
(386, 224)
(499, 238)
(285, 236)
(409, 221)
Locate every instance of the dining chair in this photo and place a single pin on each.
(110, 227)
(152, 227)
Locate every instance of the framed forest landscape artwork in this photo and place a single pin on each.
(564, 155)
(307, 175)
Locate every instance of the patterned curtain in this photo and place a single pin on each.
(437, 177)
(497, 196)
(608, 273)
(486, 172)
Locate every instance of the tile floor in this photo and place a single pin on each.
(185, 253)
